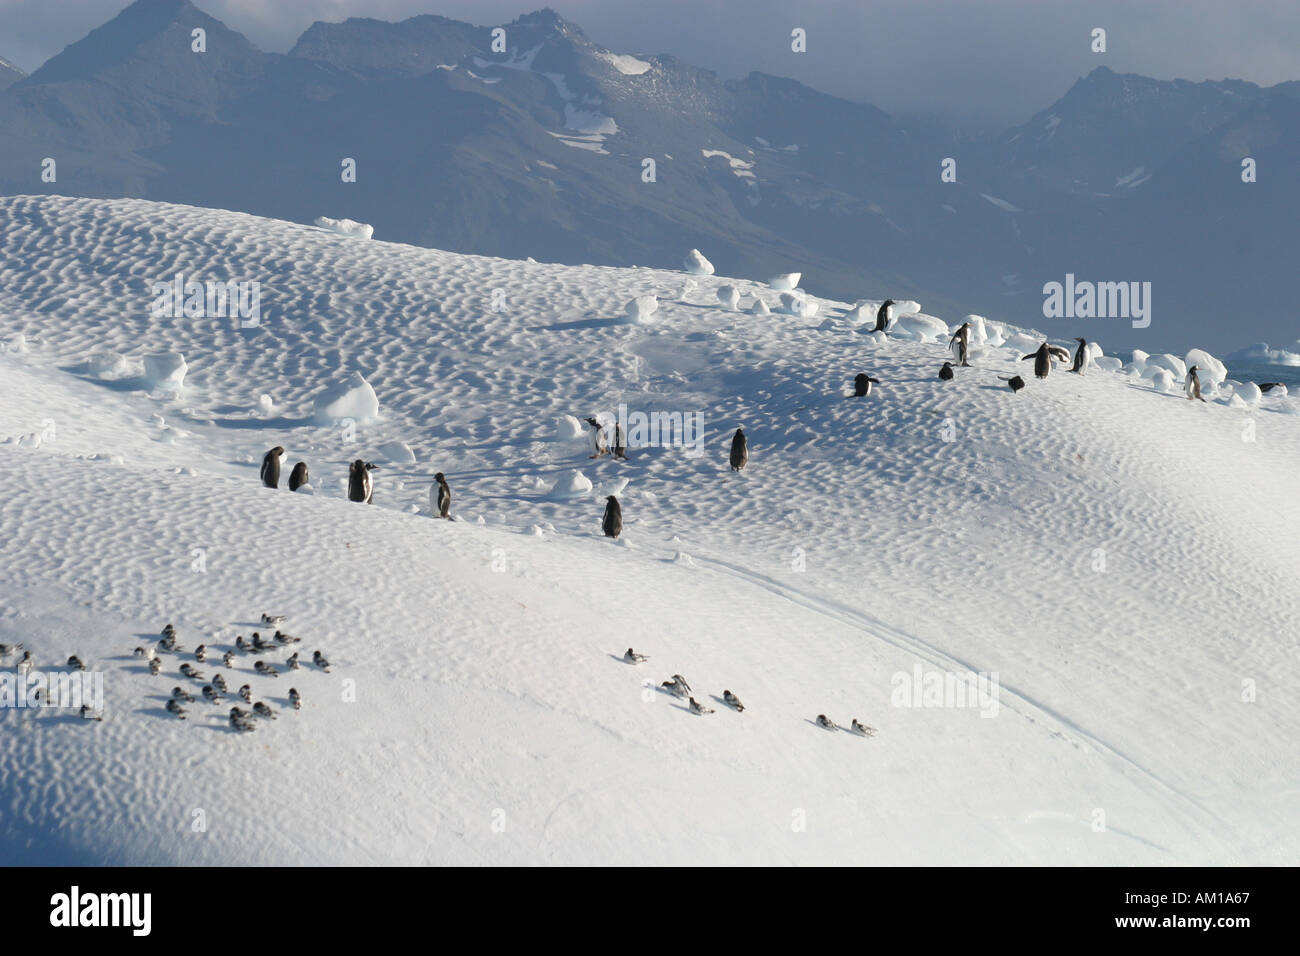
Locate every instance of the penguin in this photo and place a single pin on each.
(319, 660)
(263, 711)
(174, 707)
(259, 645)
(962, 339)
(862, 729)
(169, 632)
(946, 373)
(292, 662)
(612, 523)
(440, 496)
(882, 316)
(1082, 358)
(228, 659)
(242, 644)
(155, 667)
(239, 720)
(1015, 381)
(25, 665)
(360, 485)
(295, 698)
(88, 714)
(733, 701)
(298, 477)
(210, 694)
(632, 657)
(74, 662)
(284, 639)
(179, 693)
(146, 652)
(7, 649)
(262, 667)
(620, 443)
(862, 383)
(599, 445)
(739, 450)
(191, 673)
(201, 653)
(824, 721)
(680, 681)
(698, 708)
(674, 688)
(1264, 387)
(1193, 385)
(219, 682)
(1043, 358)
(275, 620)
(271, 466)
(246, 694)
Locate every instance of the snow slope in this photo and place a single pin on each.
(478, 712)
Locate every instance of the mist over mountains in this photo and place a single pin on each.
(539, 151)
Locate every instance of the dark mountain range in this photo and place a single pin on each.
(539, 151)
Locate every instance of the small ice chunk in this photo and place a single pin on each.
(567, 428)
(346, 227)
(573, 484)
(786, 282)
(641, 309)
(697, 265)
(353, 398)
(398, 452)
(729, 296)
(165, 371)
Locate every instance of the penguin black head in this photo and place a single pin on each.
(1080, 341)
(610, 498)
(277, 451)
(440, 478)
(371, 466)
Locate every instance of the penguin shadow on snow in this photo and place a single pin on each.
(127, 383)
(578, 324)
(279, 422)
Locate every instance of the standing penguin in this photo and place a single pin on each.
(612, 523)
(271, 463)
(882, 316)
(1193, 384)
(862, 383)
(1082, 358)
(360, 486)
(739, 450)
(440, 496)
(1043, 358)
(962, 339)
(620, 443)
(946, 372)
(599, 445)
(298, 477)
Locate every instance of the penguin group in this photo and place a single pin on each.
(273, 461)
(679, 687)
(214, 691)
(361, 486)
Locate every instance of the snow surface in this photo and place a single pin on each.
(1123, 560)
(625, 64)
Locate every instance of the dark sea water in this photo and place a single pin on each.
(1288, 375)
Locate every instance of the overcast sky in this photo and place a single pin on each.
(982, 62)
